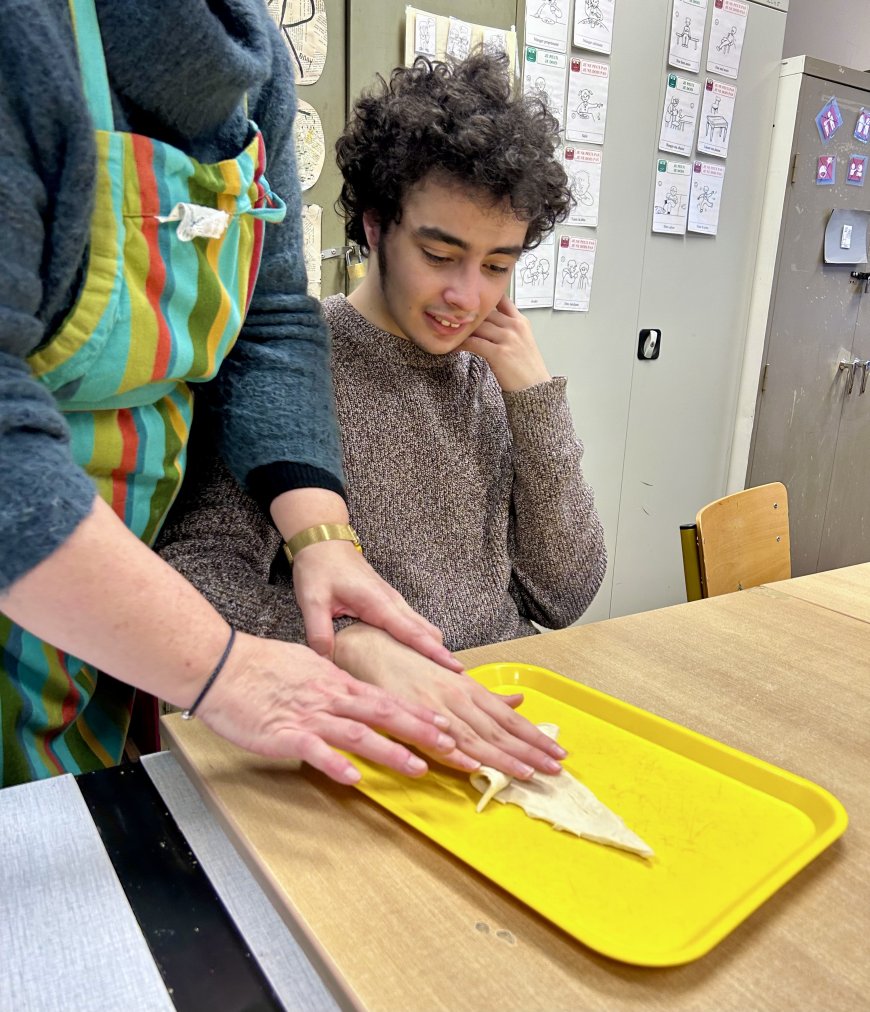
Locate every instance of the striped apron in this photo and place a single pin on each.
(173, 257)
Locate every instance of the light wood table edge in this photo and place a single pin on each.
(318, 956)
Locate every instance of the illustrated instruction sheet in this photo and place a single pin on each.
(680, 115)
(671, 202)
(535, 275)
(587, 101)
(688, 21)
(574, 268)
(544, 74)
(717, 114)
(583, 168)
(436, 36)
(726, 36)
(593, 25)
(458, 38)
(547, 24)
(705, 197)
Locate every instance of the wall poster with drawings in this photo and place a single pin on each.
(717, 116)
(535, 275)
(671, 200)
(680, 115)
(583, 166)
(688, 22)
(574, 270)
(586, 115)
(705, 198)
(544, 75)
(593, 25)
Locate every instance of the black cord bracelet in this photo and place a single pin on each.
(187, 714)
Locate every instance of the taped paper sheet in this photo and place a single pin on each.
(705, 199)
(688, 22)
(671, 199)
(544, 75)
(586, 117)
(574, 270)
(726, 37)
(717, 116)
(547, 24)
(535, 275)
(583, 167)
(680, 115)
(593, 25)
(436, 37)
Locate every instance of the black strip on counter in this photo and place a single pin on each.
(200, 953)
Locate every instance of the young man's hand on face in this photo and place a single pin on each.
(506, 341)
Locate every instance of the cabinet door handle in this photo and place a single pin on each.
(851, 367)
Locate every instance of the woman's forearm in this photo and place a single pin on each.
(106, 598)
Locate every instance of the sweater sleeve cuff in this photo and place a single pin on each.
(539, 415)
(267, 482)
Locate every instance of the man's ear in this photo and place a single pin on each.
(372, 227)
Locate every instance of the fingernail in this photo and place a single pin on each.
(352, 775)
(445, 743)
(441, 721)
(467, 763)
(415, 765)
(551, 766)
(558, 751)
(523, 770)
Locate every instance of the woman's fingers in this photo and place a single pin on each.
(482, 734)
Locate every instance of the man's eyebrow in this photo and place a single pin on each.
(438, 235)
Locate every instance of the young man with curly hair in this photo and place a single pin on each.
(463, 473)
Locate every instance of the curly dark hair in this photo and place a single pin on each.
(460, 120)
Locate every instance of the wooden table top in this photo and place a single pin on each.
(844, 590)
(399, 925)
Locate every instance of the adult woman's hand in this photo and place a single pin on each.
(284, 701)
(332, 579)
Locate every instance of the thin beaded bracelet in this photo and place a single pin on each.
(187, 714)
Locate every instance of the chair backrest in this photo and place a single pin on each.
(743, 540)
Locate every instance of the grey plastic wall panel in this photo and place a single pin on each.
(596, 350)
(697, 289)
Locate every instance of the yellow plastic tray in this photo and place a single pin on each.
(727, 829)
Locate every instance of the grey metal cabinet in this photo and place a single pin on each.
(812, 416)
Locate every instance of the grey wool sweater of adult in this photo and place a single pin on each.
(469, 501)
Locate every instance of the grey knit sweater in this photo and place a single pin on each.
(471, 502)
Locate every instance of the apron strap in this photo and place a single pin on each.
(92, 61)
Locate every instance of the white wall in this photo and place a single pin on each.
(834, 30)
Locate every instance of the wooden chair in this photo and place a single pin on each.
(738, 542)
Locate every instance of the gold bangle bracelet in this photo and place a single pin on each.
(318, 533)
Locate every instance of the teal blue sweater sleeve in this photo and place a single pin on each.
(178, 70)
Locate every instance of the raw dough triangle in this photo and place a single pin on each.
(561, 800)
